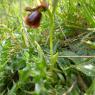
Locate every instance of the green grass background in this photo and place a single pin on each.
(58, 58)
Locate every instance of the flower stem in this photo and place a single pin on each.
(51, 35)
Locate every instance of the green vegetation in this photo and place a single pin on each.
(58, 58)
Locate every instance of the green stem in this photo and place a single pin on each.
(51, 34)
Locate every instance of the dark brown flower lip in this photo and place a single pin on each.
(33, 20)
(34, 17)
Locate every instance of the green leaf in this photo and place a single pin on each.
(54, 58)
(88, 69)
(70, 55)
(40, 51)
(91, 90)
(90, 44)
(13, 90)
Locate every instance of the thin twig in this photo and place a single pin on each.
(85, 56)
(70, 89)
(82, 56)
